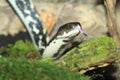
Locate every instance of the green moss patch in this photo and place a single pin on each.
(24, 69)
(20, 49)
(92, 53)
(16, 64)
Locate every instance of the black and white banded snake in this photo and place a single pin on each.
(50, 48)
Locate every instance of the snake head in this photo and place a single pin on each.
(70, 30)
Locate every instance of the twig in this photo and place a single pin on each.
(111, 21)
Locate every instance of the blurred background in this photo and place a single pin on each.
(54, 13)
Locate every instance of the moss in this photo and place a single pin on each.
(92, 53)
(16, 65)
(25, 69)
(20, 49)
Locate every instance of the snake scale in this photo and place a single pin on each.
(49, 48)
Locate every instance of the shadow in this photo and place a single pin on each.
(103, 73)
(5, 40)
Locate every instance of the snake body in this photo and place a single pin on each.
(50, 48)
(29, 16)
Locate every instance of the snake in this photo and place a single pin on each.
(54, 47)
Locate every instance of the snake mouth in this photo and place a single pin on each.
(79, 28)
